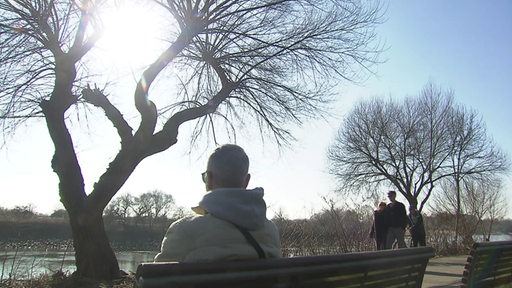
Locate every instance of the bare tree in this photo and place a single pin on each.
(475, 201)
(120, 208)
(497, 211)
(162, 204)
(148, 206)
(411, 146)
(152, 205)
(475, 156)
(240, 62)
(142, 207)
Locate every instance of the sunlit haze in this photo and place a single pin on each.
(459, 45)
(132, 35)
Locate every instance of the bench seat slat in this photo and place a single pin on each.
(408, 280)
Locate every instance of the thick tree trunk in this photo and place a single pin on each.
(94, 256)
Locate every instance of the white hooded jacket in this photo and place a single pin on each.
(211, 235)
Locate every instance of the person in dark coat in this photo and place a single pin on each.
(397, 222)
(416, 228)
(380, 226)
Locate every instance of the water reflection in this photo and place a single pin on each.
(30, 263)
(27, 264)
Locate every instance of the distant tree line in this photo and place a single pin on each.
(131, 222)
(146, 209)
(332, 230)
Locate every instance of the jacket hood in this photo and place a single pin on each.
(245, 208)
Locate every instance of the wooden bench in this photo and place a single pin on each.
(388, 268)
(489, 264)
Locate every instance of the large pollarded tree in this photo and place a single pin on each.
(227, 62)
(412, 145)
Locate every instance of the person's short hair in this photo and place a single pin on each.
(392, 193)
(229, 165)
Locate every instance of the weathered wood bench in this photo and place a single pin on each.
(388, 268)
(489, 264)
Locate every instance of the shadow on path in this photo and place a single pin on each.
(444, 272)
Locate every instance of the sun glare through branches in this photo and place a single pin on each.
(132, 36)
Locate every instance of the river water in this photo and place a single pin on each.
(28, 264)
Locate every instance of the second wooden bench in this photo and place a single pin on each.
(489, 264)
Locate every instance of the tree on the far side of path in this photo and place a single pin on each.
(411, 146)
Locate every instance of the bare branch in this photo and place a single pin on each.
(99, 99)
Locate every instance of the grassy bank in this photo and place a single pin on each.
(51, 234)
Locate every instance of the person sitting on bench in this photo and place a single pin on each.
(231, 221)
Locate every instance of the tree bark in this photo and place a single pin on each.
(94, 257)
(458, 212)
(93, 254)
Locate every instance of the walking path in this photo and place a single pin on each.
(444, 272)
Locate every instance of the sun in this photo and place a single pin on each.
(133, 36)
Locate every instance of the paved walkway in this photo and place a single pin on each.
(444, 271)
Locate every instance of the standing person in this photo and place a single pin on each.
(416, 227)
(397, 222)
(231, 221)
(380, 226)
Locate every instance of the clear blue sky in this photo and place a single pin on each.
(462, 45)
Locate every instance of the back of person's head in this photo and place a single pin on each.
(229, 166)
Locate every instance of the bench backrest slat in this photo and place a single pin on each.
(489, 265)
(396, 268)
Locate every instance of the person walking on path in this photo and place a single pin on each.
(397, 222)
(231, 221)
(380, 226)
(416, 228)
